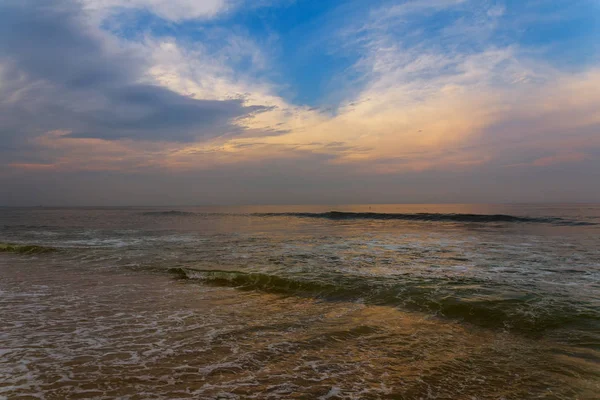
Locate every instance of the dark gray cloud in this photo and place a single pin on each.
(56, 72)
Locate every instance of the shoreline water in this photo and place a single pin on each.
(190, 305)
(112, 333)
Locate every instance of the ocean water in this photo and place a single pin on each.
(307, 302)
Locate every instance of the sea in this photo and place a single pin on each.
(403, 301)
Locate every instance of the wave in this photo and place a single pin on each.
(481, 218)
(170, 213)
(456, 299)
(25, 248)
(425, 217)
(23, 226)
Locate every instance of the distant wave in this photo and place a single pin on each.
(481, 218)
(170, 213)
(425, 295)
(24, 248)
(426, 217)
(22, 226)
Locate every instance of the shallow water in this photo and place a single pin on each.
(292, 302)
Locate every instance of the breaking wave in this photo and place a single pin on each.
(455, 299)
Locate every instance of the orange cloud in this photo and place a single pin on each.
(32, 166)
(559, 159)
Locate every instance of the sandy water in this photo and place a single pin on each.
(296, 307)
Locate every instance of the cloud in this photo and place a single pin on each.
(436, 102)
(425, 106)
(173, 10)
(58, 72)
(559, 158)
(413, 7)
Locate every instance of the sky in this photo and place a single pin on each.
(202, 102)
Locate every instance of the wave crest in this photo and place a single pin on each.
(374, 216)
(170, 213)
(456, 299)
(25, 248)
(433, 217)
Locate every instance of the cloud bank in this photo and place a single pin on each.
(60, 73)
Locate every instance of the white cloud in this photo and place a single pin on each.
(173, 10)
(412, 7)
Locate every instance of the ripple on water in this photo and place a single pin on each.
(107, 334)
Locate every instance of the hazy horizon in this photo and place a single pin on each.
(289, 205)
